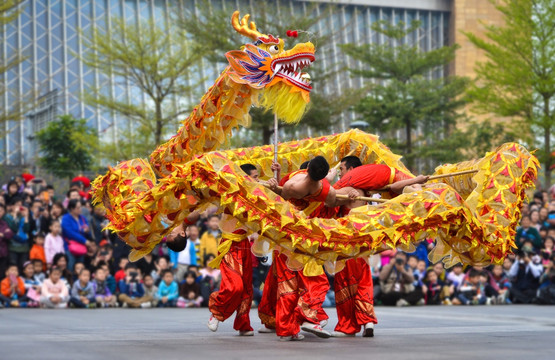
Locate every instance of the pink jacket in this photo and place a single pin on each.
(52, 246)
(58, 289)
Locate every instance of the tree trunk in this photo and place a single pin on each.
(547, 140)
(267, 133)
(159, 125)
(408, 144)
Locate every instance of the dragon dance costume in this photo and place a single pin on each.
(471, 217)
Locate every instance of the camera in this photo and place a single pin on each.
(399, 261)
(133, 275)
(103, 253)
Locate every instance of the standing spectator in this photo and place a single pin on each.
(98, 221)
(12, 287)
(525, 274)
(211, 238)
(12, 191)
(146, 264)
(54, 293)
(53, 243)
(5, 237)
(547, 249)
(75, 231)
(187, 256)
(132, 292)
(83, 292)
(37, 251)
(168, 291)
(396, 282)
(35, 217)
(527, 232)
(18, 221)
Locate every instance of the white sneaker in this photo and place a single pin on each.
(342, 334)
(213, 323)
(402, 302)
(246, 333)
(315, 329)
(146, 305)
(323, 323)
(296, 337)
(265, 330)
(368, 330)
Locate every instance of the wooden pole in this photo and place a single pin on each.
(276, 128)
(340, 196)
(386, 188)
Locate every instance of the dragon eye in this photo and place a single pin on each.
(274, 49)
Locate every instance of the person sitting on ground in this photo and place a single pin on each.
(433, 287)
(503, 283)
(168, 291)
(470, 292)
(150, 289)
(189, 292)
(12, 288)
(396, 284)
(110, 280)
(103, 295)
(32, 285)
(83, 292)
(132, 292)
(54, 292)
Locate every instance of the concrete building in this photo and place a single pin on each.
(47, 33)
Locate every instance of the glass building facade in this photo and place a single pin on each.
(47, 34)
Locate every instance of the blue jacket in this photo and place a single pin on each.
(133, 290)
(71, 230)
(171, 291)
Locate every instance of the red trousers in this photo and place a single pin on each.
(236, 287)
(354, 297)
(290, 298)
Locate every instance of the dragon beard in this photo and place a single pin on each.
(289, 105)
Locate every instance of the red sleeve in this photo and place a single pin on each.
(20, 286)
(323, 193)
(366, 177)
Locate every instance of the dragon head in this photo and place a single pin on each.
(265, 65)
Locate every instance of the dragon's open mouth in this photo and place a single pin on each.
(290, 67)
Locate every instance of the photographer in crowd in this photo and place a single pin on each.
(396, 283)
(132, 292)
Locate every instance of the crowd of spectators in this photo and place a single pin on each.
(54, 253)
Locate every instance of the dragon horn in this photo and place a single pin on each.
(243, 27)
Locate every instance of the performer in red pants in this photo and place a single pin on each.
(236, 291)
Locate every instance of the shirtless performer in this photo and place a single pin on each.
(354, 291)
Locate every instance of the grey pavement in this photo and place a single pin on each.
(481, 332)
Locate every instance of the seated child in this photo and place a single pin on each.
(32, 286)
(12, 288)
(132, 292)
(150, 289)
(503, 283)
(110, 280)
(38, 266)
(168, 291)
(189, 292)
(103, 295)
(54, 293)
(470, 292)
(83, 291)
(433, 287)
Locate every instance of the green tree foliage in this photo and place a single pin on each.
(156, 63)
(518, 79)
(404, 95)
(211, 28)
(67, 146)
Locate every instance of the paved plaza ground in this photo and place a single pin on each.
(482, 332)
